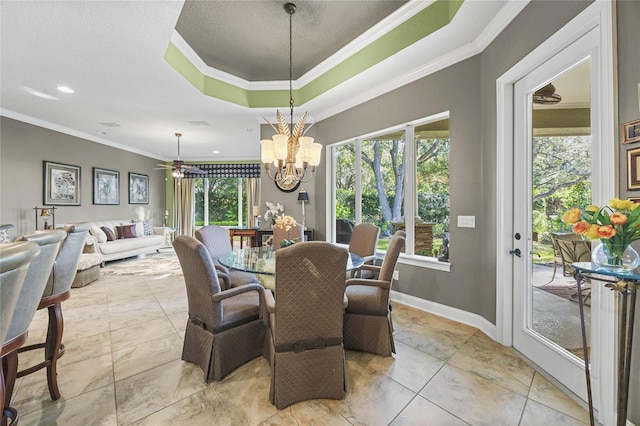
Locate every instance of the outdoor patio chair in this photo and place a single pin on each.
(567, 271)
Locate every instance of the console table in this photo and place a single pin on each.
(624, 283)
(242, 232)
(308, 234)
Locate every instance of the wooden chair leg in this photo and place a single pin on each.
(53, 348)
(8, 370)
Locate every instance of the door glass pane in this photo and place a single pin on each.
(561, 179)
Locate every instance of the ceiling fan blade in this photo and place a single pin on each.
(192, 169)
(163, 167)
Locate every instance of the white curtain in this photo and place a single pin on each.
(184, 206)
(253, 200)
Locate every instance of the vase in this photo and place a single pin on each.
(616, 257)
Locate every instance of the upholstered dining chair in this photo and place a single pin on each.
(367, 321)
(280, 234)
(56, 291)
(304, 341)
(363, 242)
(225, 328)
(216, 240)
(15, 258)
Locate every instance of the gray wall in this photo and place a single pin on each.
(628, 50)
(467, 90)
(23, 148)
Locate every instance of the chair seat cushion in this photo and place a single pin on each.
(239, 278)
(366, 300)
(239, 309)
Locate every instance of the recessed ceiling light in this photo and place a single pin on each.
(41, 94)
(65, 89)
(215, 151)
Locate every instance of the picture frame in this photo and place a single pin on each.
(631, 132)
(633, 169)
(138, 188)
(106, 186)
(61, 184)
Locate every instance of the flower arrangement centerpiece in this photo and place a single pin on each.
(616, 225)
(273, 211)
(286, 223)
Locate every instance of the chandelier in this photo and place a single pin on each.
(293, 155)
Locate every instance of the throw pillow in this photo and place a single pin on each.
(126, 231)
(139, 229)
(109, 233)
(101, 237)
(148, 227)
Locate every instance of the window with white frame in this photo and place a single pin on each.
(376, 181)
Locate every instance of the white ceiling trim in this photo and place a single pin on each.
(399, 16)
(72, 132)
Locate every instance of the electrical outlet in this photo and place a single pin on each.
(396, 275)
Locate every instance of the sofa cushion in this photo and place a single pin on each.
(101, 237)
(109, 233)
(126, 231)
(119, 246)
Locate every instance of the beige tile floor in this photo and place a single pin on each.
(122, 367)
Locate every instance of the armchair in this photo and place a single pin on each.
(307, 362)
(367, 321)
(225, 328)
(216, 240)
(363, 242)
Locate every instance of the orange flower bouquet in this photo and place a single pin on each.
(616, 225)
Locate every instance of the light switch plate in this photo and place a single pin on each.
(466, 221)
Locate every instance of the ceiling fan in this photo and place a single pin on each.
(178, 167)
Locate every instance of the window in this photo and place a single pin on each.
(219, 201)
(376, 182)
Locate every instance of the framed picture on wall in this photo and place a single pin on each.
(106, 186)
(633, 169)
(138, 188)
(61, 184)
(631, 132)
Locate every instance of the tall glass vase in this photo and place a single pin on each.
(615, 256)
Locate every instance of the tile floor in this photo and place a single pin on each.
(122, 367)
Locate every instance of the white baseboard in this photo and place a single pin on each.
(455, 314)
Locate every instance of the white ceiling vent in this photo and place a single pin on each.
(110, 124)
(198, 123)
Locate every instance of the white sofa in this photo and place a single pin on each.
(127, 247)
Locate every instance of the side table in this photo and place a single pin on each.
(625, 284)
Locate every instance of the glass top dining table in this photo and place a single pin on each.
(262, 260)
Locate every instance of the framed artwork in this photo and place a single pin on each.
(61, 184)
(631, 132)
(106, 186)
(635, 200)
(138, 188)
(633, 169)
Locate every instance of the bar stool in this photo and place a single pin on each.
(30, 295)
(14, 263)
(57, 290)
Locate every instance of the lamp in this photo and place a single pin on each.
(292, 153)
(304, 197)
(45, 213)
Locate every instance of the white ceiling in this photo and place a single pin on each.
(111, 54)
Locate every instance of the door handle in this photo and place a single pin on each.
(517, 252)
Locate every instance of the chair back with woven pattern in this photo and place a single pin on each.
(391, 258)
(200, 277)
(364, 240)
(36, 279)
(310, 291)
(14, 264)
(281, 234)
(66, 263)
(216, 239)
